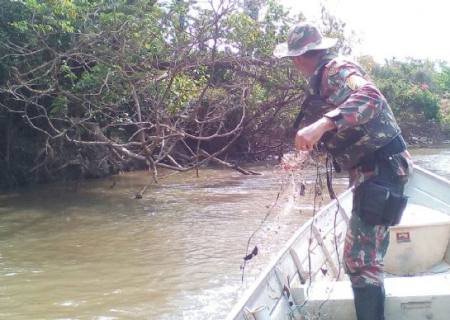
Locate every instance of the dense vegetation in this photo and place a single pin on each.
(418, 91)
(91, 87)
(410, 88)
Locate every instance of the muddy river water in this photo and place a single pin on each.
(92, 251)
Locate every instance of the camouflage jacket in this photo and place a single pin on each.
(364, 121)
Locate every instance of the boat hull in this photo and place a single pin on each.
(306, 281)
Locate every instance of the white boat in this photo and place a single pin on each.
(306, 280)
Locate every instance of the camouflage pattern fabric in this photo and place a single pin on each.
(344, 85)
(364, 249)
(365, 245)
(364, 123)
(313, 108)
(302, 38)
(362, 116)
(403, 171)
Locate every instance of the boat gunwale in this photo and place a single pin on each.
(239, 307)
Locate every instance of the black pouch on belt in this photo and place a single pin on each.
(370, 203)
(396, 204)
(378, 205)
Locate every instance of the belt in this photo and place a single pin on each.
(395, 146)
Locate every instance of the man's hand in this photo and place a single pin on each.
(307, 137)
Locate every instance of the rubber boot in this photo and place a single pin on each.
(369, 302)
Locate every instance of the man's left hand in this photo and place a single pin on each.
(307, 137)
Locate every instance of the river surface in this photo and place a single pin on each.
(92, 251)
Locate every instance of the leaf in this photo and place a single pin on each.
(59, 105)
(252, 254)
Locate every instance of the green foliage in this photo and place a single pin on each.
(93, 70)
(244, 31)
(445, 111)
(183, 90)
(421, 99)
(59, 106)
(409, 86)
(443, 79)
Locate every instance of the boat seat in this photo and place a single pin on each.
(420, 230)
(407, 298)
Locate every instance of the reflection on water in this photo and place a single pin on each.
(97, 253)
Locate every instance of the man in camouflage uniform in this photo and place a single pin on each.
(349, 116)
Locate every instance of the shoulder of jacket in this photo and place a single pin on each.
(342, 68)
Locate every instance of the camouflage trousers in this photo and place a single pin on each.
(366, 244)
(364, 249)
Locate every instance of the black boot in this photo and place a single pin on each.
(369, 302)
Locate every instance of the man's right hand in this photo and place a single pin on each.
(307, 137)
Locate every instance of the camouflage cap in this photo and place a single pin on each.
(303, 37)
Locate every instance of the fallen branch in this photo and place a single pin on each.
(229, 165)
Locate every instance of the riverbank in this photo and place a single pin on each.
(95, 164)
(427, 133)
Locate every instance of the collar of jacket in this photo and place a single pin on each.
(315, 79)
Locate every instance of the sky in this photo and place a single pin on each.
(389, 28)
